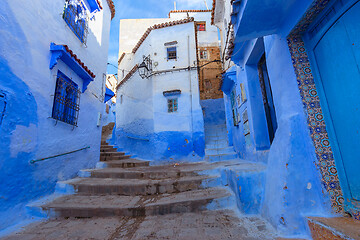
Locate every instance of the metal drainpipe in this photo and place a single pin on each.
(191, 96)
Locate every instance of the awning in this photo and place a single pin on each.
(72, 61)
(228, 81)
(258, 18)
(108, 95)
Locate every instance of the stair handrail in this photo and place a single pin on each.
(59, 155)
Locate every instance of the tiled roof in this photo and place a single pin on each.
(185, 11)
(128, 76)
(158, 26)
(98, 2)
(112, 8)
(213, 12)
(79, 61)
(121, 58)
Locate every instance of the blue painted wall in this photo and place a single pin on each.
(291, 183)
(214, 111)
(26, 130)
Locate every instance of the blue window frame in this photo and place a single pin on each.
(172, 105)
(171, 53)
(66, 100)
(76, 18)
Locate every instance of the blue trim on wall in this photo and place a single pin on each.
(94, 6)
(108, 95)
(229, 79)
(59, 52)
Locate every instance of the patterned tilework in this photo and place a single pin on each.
(311, 102)
(309, 96)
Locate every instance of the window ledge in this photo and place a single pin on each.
(69, 58)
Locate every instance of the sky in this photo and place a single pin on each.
(129, 9)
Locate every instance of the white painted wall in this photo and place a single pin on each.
(206, 38)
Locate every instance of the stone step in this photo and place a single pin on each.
(127, 173)
(217, 143)
(84, 206)
(125, 163)
(222, 144)
(112, 153)
(221, 157)
(334, 228)
(216, 151)
(132, 187)
(113, 157)
(216, 138)
(107, 147)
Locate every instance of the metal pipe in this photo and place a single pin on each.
(59, 155)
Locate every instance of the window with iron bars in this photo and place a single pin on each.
(172, 105)
(76, 18)
(66, 100)
(171, 53)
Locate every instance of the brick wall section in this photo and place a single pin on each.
(210, 75)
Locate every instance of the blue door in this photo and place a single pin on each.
(337, 56)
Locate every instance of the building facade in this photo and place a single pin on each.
(53, 57)
(290, 103)
(159, 116)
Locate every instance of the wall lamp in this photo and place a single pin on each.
(145, 68)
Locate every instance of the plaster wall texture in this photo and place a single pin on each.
(292, 187)
(205, 38)
(27, 131)
(292, 175)
(131, 30)
(222, 19)
(144, 126)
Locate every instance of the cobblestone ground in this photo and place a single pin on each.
(208, 225)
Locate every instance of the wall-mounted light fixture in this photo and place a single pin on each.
(145, 68)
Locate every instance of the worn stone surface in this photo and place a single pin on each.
(334, 228)
(209, 225)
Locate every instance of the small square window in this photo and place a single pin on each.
(201, 26)
(172, 105)
(171, 53)
(66, 100)
(203, 54)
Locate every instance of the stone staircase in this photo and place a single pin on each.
(130, 187)
(216, 144)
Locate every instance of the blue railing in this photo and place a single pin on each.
(59, 155)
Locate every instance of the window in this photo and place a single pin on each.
(2, 106)
(236, 116)
(172, 105)
(201, 26)
(171, 53)
(76, 18)
(66, 100)
(267, 97)
(203, 54)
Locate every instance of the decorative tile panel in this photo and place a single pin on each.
(311, 102)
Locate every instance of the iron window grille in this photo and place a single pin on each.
(76, 18)
(66, 100)
(172, 105)
(171, 53)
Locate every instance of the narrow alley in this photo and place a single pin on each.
(181, 120)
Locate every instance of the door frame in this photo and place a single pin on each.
(311, 41)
